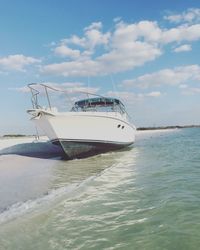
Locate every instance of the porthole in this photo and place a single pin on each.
(122, 127)
(118, 125)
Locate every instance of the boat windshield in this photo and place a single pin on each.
(101, 104)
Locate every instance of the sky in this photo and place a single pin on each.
(144, 52)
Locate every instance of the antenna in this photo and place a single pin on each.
(113, 85)
(88, 85)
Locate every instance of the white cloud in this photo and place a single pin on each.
(144, 30)
(131, 97)
(191, 15)
(181, 33)
(17, 62)
(127, 47)
(154, 94)
(118, 60)
(95, 25)
(75, 40)
(127, 56)
(190, 91)
(23, 89)
(73, 88)
(93, 36)
(176, 76)
(73, 68)
(117, 19)
(183, 48)
(65, 51)
(65, 85)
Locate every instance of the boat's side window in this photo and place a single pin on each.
(122, 127)
(119, 126)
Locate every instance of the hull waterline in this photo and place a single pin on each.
(82, 149)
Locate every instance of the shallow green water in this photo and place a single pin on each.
(145, 198)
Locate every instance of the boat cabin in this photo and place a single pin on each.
(100, 104)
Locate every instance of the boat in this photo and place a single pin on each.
(94, 125)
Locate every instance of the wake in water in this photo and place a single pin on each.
(38, 181)
(67, 177)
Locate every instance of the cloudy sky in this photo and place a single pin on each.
(144, 52)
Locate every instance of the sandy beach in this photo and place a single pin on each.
(6, 142)
(29, 146)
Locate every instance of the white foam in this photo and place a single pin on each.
(22, 208)
(52, 196)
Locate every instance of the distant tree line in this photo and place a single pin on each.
(14, 135)
(168, 127)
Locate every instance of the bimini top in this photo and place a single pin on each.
(100, 101)
(109, 104)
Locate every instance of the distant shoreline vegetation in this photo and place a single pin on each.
(168, 127)
(14, 135)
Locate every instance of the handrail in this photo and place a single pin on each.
(35, 92)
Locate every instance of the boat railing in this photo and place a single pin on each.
(34, 97)
(35, 92)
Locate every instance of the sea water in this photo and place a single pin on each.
(146, 197)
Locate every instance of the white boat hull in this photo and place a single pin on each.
(85, 133)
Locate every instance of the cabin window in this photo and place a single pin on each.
(101, 104)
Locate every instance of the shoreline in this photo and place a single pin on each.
(167, 127)
(149, 129)
(140, 134)
(27, 141)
